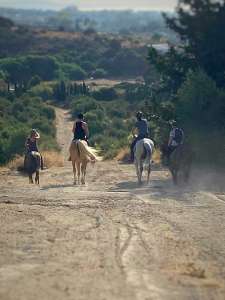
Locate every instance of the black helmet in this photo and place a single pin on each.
(80, 116)
(173, 122)
(139, 115)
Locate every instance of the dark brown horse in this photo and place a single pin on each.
(179, 162)
(31, 166)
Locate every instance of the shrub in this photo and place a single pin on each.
(99, 73)
(201, 107)
(44, 91)
(36, 80)
(84, 104)
(73, 71)
(105, 94)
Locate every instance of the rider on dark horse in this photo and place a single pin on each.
(176, 138)
(32, 148)
(142, 129)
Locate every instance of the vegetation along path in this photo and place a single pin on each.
(109, 239)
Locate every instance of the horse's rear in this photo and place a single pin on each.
(32, 166)
(180, 163)
(143, 154)
(80, 155)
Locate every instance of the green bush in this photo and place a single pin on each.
(43, 90)
(17, 117)
(73, 71)
(84, 104)
(200, 108)
(105, 94)
(99, 73)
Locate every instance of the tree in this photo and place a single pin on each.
(60, 92)
(200, 25)
(200, 108)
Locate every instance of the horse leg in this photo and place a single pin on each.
(83, 172)
(187, 173)
(31, 179)
(137, 170)
(174, 175)
(37, 181)
(141, 170)
(74, 173)
(78, 171)
(149, 171)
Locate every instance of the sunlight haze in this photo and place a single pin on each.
(87, 4)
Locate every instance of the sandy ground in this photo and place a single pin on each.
(110, 239)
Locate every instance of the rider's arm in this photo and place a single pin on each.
(74, 127)
(134, 131)
(171, 137)
(37, 135)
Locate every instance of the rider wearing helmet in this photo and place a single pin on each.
(142, 129)
(80, 129)
(176, 137)
(32, 148)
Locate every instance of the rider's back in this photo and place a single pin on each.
(142, 126)
(79, 133)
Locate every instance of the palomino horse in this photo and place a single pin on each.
(142, 157)
(179, 162)
(80, 155)
(32, 165)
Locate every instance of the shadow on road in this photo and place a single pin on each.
(57, 186)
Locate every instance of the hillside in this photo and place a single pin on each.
(127, 22)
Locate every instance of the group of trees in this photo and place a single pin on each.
(25, 53)
(192, 76)
(63, 91)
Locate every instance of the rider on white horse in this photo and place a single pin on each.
(142, 129)
(143, 152)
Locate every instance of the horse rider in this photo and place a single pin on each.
(142, 130)
(32, 148)
(176, 137)
(80, 129)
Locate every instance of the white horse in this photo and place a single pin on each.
(143, 152)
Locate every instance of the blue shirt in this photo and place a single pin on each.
(142, 126)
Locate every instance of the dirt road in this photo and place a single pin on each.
(109, 240)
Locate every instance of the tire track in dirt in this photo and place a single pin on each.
(109, 239)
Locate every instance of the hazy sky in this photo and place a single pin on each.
(92, 4)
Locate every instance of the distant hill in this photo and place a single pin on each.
(72, 19)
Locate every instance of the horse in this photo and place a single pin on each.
(143, 152)
(80, 155)
(179, 162)
(31, 166)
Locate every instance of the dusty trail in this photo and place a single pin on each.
(109, 239)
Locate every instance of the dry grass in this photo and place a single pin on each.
(156, 156)
(51, 159)
(123, 155)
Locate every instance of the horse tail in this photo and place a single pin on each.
(87, 151)
(78, 148)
